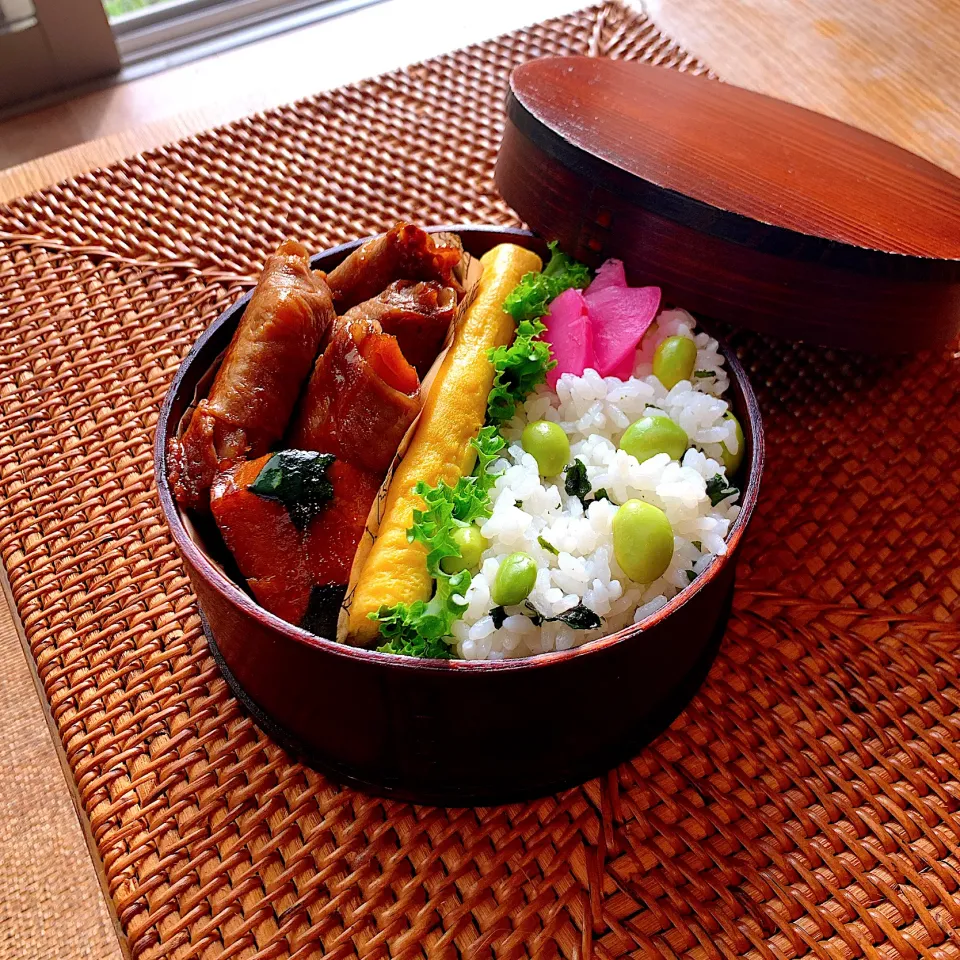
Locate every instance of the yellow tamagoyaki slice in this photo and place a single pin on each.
(395, 571)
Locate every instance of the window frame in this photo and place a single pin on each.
(44, 61)
(69, 42)
(159, 31)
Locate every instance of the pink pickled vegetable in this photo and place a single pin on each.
(570, 335)
(620, 317)
(610, 274)
(600, 327)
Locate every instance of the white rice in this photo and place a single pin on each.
(594, 412)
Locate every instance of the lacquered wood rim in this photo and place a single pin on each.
(711, 220)
(604, 759)
(234, 595)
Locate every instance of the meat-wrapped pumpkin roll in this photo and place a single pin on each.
(417, 314)
(257, 385)
(405, 252)
(361, 399)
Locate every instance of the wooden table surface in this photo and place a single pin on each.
(891, 68)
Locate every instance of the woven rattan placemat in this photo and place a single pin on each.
(805, 803)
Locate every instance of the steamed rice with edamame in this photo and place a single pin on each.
(572, 545)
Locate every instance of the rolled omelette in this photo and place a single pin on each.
(395, 571)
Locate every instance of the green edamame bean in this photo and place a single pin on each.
(674, 360)
(471, 543)
(548, 445)
(652, 435)
(732, 461)
(515, 580)
(642, 541)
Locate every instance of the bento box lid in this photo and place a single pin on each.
(741, 207)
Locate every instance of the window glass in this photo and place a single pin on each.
(118, 8)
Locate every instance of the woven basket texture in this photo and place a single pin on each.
(805, 804)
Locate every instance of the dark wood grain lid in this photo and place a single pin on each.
(813, 229)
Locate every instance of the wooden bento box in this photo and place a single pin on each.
(574, 166)
(451, 731)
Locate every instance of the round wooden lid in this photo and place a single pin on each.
(741, 206)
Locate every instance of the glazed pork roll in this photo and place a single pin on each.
(361, 399)
(258, 383)
(405, 252)
(417, 314)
